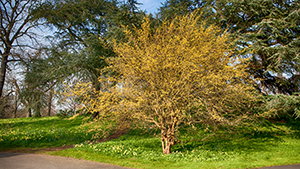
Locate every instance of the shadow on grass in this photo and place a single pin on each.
(238, 142)
(295, 127)
(246, 139)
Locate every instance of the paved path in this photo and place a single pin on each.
(296, 166)
(38, 161)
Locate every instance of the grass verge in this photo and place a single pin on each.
(251, 147)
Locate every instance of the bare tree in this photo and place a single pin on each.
(10, 100)
(16, 32)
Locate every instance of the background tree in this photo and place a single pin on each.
(14, 89)
(83, 28)
(128, 15)
(172, 8)
(10, 97)
(80, 28)
(38, 84)
(271, 30)
(182, 74)
(16, 23)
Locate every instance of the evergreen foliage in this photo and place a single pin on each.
(172, 8)
(83, 28)
(269, 30)
(128, 15)
(283, 107)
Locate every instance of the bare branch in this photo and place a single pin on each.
(14, 60)
(15, 23)
(28, 46)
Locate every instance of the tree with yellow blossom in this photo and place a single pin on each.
(181, 73)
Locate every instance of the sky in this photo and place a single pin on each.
(150, 6)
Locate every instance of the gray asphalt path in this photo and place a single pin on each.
(38, 161)
(296, 166)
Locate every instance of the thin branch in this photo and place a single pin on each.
(5, 9)
(14, 60)
(17, 34)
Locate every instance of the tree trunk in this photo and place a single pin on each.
(15, 106)
(94, 115)
(29, 112)
(167, 140)
(3, 72)
(263, 89)
(1, 107)
(50, 102)
(37, 110)
(96, 86)
(166, 145)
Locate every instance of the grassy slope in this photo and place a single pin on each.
(248, 148)
(43, 132)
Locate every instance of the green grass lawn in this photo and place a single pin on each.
(251, 147)
(23, 133)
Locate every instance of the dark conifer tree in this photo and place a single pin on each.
(269, 29)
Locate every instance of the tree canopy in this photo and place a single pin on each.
(181, 73)
(82, 31)
(270, 29)
(267, 29)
